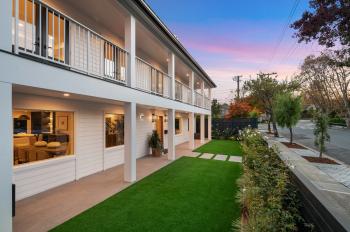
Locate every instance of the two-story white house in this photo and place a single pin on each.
(83, 84)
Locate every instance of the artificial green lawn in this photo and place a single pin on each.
(225, 147)
(190, 194)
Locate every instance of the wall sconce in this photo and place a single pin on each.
(165, 118)
(154, 117)
(142, 116)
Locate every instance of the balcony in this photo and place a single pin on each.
(183, 93)
(41, 31)
(152, 80)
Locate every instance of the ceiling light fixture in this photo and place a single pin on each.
(66, 94)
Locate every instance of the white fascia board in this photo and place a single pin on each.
(26, 72)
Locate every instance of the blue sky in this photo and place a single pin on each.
(237, 37)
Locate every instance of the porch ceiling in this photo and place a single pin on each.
(56, 94)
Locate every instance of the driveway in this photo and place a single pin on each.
(338, 147)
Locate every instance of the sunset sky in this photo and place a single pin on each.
(237, 37)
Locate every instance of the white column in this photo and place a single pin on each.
(171, 73)
(6, 25)
(202, 131)
(130, 142)
(209, 127)
(130, 46)
(6, 148)
(171, 134)
(191, 131)
(192, 88)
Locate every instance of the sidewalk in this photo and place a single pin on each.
(328, 183)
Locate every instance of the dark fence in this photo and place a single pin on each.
(230, 127)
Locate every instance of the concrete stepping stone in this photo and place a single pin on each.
(220, 157)
(236, 159)
(206, 156)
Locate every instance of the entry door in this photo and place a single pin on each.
(159, 127)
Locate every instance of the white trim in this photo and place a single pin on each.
(42, 163)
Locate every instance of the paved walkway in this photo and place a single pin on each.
(53, 207)
(334, 195)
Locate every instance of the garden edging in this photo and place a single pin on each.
(325, 198)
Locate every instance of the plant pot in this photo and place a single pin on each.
(156, 152)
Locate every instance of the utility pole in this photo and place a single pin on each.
(238, 80)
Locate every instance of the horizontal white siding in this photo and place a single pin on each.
(113, 157)
(37, 177)
(89, 141)
(183, 136)
(144, 128)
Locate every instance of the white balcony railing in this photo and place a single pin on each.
(41, 31)
(152, 80)
(207, 103)
(183, 93)
(198, 99)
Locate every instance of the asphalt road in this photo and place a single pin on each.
(338, 146)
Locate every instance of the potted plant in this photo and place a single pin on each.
(155, 144)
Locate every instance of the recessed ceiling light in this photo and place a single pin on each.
(66, 94)
(167, 60)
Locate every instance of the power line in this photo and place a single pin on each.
(284, 30)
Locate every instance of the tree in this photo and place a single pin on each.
(215, 109)
(288, 111)
(239, 109)
(328, 21)
(321, 131)
(264, 89)
(326, 82)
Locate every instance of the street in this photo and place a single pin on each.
(338, 146)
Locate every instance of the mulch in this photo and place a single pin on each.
(319, 160)
(294, 145)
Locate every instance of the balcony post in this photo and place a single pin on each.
(191, 130)
(6, 160)
(192, 88)
(130, 142)
(130, 46)
(6, 25)
(171, 73)
(202, 92)
(171, 134)
(202, 128)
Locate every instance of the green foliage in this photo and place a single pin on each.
(321, 131)
(215, 109)
(268, 197)
(287, 111)
(336, 120)
(154, 141)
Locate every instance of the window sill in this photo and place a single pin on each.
(43, 163)
(120, 147)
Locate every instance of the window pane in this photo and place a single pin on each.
(178, 125)
(40, 135)
(114, 130)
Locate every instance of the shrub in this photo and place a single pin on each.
(268, 198)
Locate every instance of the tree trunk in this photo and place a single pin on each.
(348, 119)
(291, 135)
(275, 131)
(269, 125)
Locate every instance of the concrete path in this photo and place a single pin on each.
(333, 194)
